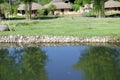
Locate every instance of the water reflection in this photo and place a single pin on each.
(23, 64)
(60, 63)
(100, 63)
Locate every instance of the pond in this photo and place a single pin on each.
(76, 62)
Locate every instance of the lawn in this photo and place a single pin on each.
(65, 26)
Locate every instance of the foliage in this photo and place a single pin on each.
(100, 63)
(1, 1)
(43, 2)
(27, 1)
(75, 7)
(82, 2)
(28, 8)
(14, 7)
(23, 64)
(1, 13)
(52, 8)
(43, 11)
(79, 2)
(6, 9)
(98, 6)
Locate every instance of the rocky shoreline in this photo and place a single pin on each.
(57, 39)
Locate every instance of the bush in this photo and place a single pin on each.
(75, 7)
(43, 11)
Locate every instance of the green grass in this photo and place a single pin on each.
(67, 26)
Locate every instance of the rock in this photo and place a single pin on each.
(4, 28)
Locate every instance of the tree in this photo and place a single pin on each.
(1, 1)
(28, 4)
(98, 6)
(6, 9)
(43, 2)
(52, 8)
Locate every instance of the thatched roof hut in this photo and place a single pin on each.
(112, 4)
(112, 7)
(35, 6)
(59, 5)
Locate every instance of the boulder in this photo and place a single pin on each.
(4, 28)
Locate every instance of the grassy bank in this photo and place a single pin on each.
(67, 26)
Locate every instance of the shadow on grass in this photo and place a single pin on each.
(33, 18)
(46, 17)
(106, 16)
(113, 15)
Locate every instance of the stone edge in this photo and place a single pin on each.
(57, 39)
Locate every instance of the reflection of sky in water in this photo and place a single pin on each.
(61, 61)
(16, 55)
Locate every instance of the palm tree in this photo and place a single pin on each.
(28, 4)
(98, 6)
(1, 1)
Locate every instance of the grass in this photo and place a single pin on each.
(67, 26)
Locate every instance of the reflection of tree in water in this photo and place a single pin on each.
(100, 63)
(31, 65)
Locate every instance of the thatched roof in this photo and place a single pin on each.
(59, 5)
(112, 4)
(35, 6)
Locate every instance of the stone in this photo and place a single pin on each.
(4, 28)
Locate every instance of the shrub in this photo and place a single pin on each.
(75, 7)
(43, 11)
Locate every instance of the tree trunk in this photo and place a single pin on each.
(26, 11)
(0, 12)
(53, 12)
(101, 12)
(30, 10)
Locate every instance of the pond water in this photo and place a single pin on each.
(60, 63)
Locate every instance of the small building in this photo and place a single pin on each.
(35, 7)
(87, 7)
(112, 7)
(61, 7)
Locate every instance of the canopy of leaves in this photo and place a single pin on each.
(27, 1)
(43, 2)
(1, 1)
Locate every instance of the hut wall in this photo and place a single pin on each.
(109, 11)
(62, 11)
